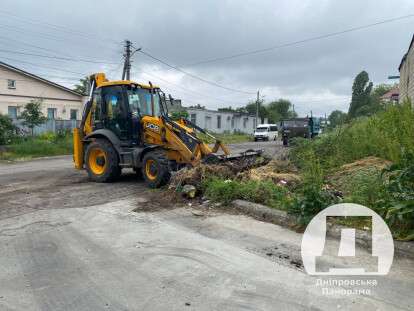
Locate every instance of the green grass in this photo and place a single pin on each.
(226, 138)
(38, 146)
(388, 135)
(263, 192)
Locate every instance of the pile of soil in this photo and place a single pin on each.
(277, 171)
(226, 170)
(369, 165)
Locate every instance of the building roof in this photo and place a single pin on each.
(395, 92)
(405, 55)
(31, 75)
(236, 113)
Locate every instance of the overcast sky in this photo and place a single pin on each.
(315, 75)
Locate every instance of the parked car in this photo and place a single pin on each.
(299, 127)
(266, 132)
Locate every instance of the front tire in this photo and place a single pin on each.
(155, 169)
(101, 161)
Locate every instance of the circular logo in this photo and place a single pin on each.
(323, 255)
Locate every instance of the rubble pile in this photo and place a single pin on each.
(278, 171)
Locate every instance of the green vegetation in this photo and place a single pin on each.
(274, 111)
(82, 87)
(388, 135)
(7, 129)
(32, 114)
(264, 192)
(48, 144)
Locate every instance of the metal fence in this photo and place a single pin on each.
(49, 126)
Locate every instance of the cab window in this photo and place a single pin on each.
(140, 102)
(96, 108)
(114, 103)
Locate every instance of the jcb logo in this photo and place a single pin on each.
(153, 127)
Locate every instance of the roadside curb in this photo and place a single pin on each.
(282, 218)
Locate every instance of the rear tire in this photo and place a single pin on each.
(285, 141)
(101, 161)
(155, 169)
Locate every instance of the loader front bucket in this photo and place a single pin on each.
(249, 156)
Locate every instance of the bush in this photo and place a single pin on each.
(7, 130)
(263, 192)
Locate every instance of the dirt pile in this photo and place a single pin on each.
(341, 177)
(277, 171)
(195, 175)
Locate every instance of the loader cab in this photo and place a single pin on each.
(120, 108)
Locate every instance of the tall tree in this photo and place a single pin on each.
(336, 118)
(32, 114)
(251, 109)
(280, 109)
(83, 86)
(361, 96)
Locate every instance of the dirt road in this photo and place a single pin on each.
(68, 244)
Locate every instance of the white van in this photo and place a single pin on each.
(266, 132)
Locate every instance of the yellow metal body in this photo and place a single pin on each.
(155, 132)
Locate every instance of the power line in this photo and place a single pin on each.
(43, 66)
(320, 37)
(194, 76)
(185, 90)
(58, 57)
(54, 26)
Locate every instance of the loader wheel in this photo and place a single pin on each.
(102, 162)
(155, 169)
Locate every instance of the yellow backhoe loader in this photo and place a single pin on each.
(126, 125)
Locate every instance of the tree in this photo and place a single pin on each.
(32, 114)
(226, 109)
(251, 108)
(379, 91)
(336, 118)
(361, 103)
(7, 129)
(280, 109)
(83, 86)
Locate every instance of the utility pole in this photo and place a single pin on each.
(126, 73)
(257, 108)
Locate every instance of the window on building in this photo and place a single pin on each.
(208, 123)
(245, 120)
(51, 113)
(11, 84)
(193, 118)
(218, 122)
(12, 112)
(73, 114)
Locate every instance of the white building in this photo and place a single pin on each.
(18, 87)
(221, 122)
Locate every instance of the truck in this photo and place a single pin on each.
(308, 127)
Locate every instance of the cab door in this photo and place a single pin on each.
(116, 111)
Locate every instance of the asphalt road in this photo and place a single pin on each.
(68, 244)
